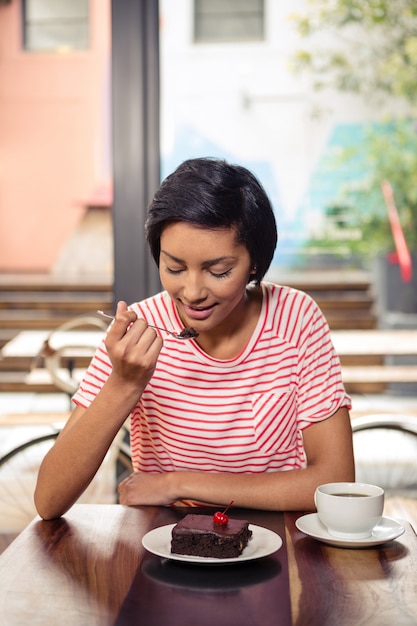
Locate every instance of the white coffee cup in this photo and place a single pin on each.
(349, 510)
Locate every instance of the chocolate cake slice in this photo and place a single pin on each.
(199, 535)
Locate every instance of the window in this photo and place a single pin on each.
(55, 25)
(217, 21)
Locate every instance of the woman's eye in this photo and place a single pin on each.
(171, 270)
(221, 274)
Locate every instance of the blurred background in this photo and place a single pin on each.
(100, 100)
(318, 98)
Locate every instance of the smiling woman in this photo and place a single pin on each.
(225, 415)
(208, 292)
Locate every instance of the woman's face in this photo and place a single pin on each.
(205, 272)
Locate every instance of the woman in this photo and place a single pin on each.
(253, 410)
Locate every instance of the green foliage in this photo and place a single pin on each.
(369, 47)
(387, 152)
(372, 49)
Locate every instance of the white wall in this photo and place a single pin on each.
(242, 102)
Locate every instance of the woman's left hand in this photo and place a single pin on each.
(145, 489)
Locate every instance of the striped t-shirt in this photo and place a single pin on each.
(243, 414)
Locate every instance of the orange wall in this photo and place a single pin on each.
(54, 147)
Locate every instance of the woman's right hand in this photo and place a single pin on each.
(133, 348)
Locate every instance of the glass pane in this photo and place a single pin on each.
(55, 9)
(232, 20)
(235, 7)
(56, 24)
(57, 36)
(229, 29)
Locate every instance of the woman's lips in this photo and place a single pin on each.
(197, 314)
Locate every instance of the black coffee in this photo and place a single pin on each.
(350, 495)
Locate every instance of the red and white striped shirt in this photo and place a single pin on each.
(244, 414)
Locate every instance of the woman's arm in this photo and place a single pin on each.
(71, 464)
(329, 450)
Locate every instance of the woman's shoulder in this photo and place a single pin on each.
(286, 294)
(290, 310)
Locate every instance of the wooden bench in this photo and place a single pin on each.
(380, 373)
(367, 358)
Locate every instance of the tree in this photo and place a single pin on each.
(388, 151)
(371, 47)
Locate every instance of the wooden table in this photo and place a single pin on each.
(89, 568)
(28, 343)
(379, 342)
(372, 374)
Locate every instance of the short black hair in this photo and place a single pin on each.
(211, 193)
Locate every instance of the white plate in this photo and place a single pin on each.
(262, 543)
(387, 530)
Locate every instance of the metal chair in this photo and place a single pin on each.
(385, 447)
(57, 357)
(19, 467)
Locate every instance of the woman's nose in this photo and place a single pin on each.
(193, 289)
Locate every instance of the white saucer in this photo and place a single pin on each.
(387, 530)
(263, 543)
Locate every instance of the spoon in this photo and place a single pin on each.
(186, 333)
